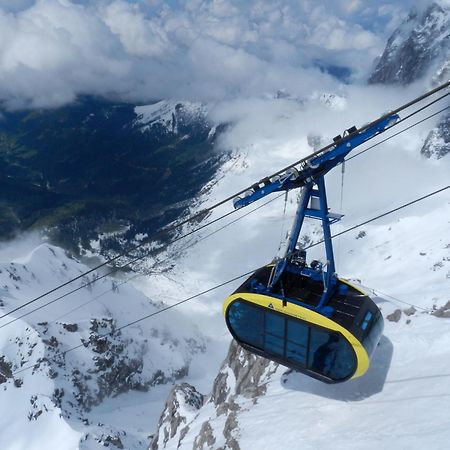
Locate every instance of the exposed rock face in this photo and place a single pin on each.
(395, 316)
(242, 373)
(183, 401)
(89, 356)
(421, 43)
(5, 370)
(437, 143)
(190, 422)
(444, 311)
(420, 48)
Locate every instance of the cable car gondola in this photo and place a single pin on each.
(332, 344)
(304, 316)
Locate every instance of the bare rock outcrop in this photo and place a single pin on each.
(191, 421)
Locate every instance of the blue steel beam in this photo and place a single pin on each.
(316, 167)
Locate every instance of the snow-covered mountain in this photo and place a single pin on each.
(173, 116)
(403, 400)
(62, 365)
(420, 45)
(176, 380)
(420, 48)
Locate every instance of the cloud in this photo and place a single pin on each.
(15, 5)
(139, 36)
(51, 51)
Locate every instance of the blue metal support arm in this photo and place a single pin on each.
(293, 238)
(313, 168)
(329, 274)
(313, 204)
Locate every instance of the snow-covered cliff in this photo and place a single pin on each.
(420, 49)
(59, 364)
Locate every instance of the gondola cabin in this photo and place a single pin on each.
(284, 327)
(304, 316)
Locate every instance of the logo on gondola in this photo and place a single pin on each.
(270, 306)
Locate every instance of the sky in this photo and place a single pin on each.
(52, 51)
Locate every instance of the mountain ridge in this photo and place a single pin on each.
(419, 49)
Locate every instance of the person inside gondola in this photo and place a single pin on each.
(325, 355)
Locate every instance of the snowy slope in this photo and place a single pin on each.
(116, 390)
(67, 392)
(404, 257)
(171, 115)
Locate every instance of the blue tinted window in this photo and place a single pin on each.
(319, 351)
(373, 334)
(323, 351)
(274, 345)
(366, 320)
(247, 322)
(275, 324)
(345, 362)
(297, 341)
(296, 353)
(274, 333)
(297, 332)
(330, 354)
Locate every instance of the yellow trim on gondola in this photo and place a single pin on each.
(309, 316)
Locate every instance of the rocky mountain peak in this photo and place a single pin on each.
(173, 117)
(187, 417)
(419, 45)
(69, 360)
(420, 48)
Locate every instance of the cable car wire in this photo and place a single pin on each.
(174, 305)
(225, 215)
(139, 274)
(399, 132)
(203, 226)
(140, 258)
(172, 227)
(134, 322)
(379, 216)
(388, 296)
(210, 223)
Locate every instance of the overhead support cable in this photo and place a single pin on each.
(204, 212)
(89, 283)
(213, 288)
(398, 133)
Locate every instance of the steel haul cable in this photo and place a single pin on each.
(204, 226)
(209, 209)
(138, 274)
(398, 133)
(138, 259)
(134, 322)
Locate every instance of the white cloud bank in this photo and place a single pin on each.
(54, 50)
